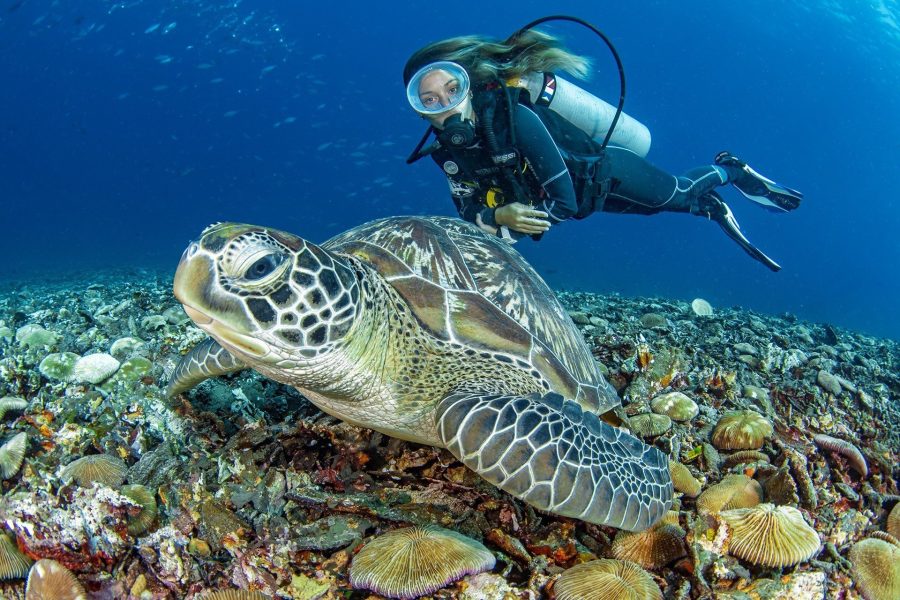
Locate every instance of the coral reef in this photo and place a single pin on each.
(258, 494)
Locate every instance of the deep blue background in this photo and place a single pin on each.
(120, 144)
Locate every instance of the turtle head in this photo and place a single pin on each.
(267, 296)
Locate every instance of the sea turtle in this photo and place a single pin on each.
(429, 330)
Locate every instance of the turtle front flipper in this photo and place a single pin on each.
(205, 360)
(551, 454)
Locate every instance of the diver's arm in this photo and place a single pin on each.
(471, 207)
(539, 149)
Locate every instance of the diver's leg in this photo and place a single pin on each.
(640, 187)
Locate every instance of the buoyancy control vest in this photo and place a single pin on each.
(499, 170)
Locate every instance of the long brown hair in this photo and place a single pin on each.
(487, 59)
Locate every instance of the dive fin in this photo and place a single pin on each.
(760, 189)
(713, 207)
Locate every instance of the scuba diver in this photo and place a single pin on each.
(521, 146)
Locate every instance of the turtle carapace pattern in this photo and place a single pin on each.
(429, 330)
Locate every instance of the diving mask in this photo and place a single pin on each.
(437, 88)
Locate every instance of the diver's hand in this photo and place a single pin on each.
(521, 217)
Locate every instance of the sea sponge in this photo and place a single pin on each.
(734, 491)
(141, 495)
(654, 547)
(741, 430)
(683, 480)
(675, 405)
(854, 457)
(13, 564)
(100, 468)
(12, 404)
(49, 580)
(12, 452)
(701, 307)
(649, 424)
(604, 579)
(414, 561)
(876, 569)
(893, 521)
(772, 536)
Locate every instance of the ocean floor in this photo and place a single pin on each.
(243, 484)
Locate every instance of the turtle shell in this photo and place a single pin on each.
(466, 286)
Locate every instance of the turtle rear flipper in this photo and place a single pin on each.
(205, 360)
(548, 452)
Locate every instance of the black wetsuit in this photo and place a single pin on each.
(566, 175)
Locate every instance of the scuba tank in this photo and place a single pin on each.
(584, 110)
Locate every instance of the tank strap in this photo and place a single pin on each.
(591, 187)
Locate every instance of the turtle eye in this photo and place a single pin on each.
(263, 266)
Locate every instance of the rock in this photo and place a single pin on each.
(654, 321)
(755, 393)
(745, 348)
(600, 323)
(580, 318)
(6, 334)
(828, 382)
(94, 368)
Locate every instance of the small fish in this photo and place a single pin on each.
(216, 80)
(317, 57)
(323, 146)
(290, 119)
(160, 88)
(267, 69)
(152, 28)
(169, 27)
(230, 113)
(204, 66)
(163, 59)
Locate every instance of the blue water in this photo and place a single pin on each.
(126, 127)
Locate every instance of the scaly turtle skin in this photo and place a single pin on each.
(428, 330)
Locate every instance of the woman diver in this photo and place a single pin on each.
(520, 145)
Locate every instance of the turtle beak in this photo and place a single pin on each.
(220, 316)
